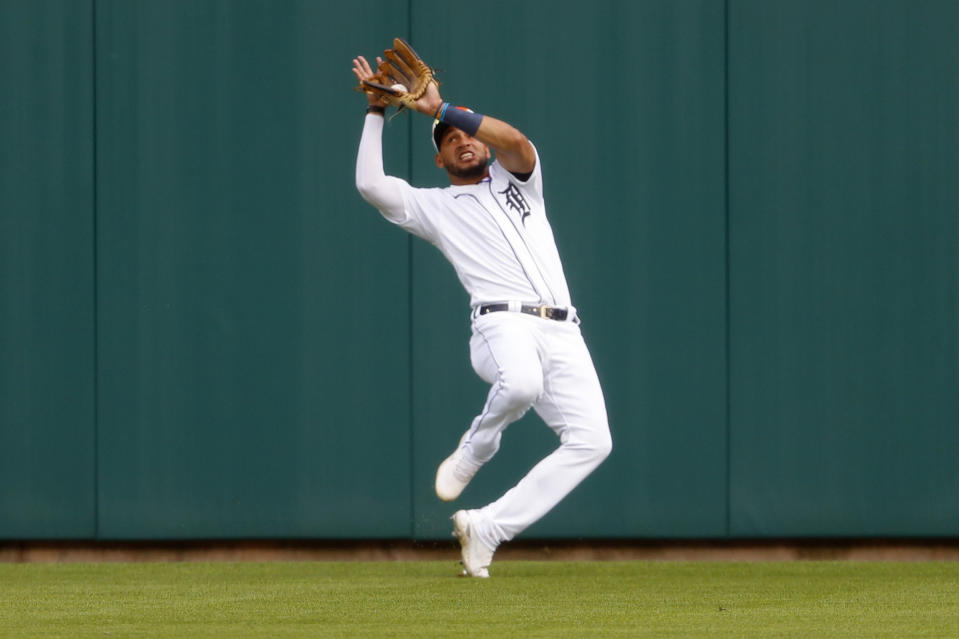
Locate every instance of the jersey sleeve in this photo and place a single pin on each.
(532, 187)
(393, 197)
(533, 184)
(382, 191)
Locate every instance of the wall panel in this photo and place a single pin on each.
(844, 273)
(635, 194)
(46, 270)
(253, 312)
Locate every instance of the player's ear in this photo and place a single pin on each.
(439, 161)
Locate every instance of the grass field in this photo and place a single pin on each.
(523, 599)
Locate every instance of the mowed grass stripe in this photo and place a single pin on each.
(523, 599)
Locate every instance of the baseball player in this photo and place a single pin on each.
(491, 225)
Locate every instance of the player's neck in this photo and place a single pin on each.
(456, 180)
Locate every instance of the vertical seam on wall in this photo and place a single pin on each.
(728, 272)
(96, 301)
(409, 293)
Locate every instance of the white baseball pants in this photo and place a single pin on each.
(543, 364)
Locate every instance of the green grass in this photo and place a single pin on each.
(523, 599)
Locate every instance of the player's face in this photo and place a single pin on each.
(463, 156)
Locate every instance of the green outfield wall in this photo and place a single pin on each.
(205, 333)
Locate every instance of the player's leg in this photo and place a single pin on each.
(572, 405)
(503, 351)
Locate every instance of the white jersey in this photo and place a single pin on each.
(494, 233)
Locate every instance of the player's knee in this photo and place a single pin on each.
(603, 445)
(599, 443)
(590, 447)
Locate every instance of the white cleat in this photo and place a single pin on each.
(453, 475)
(476, 556)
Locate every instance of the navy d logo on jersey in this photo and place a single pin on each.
(516, 201)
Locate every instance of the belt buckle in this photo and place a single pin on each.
(542, 312)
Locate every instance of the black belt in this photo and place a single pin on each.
(546, 312)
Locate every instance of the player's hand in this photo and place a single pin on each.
(431, 100)
(363, 71)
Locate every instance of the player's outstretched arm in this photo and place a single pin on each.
(513, 150)
(382, 191)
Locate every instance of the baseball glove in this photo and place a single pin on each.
(404, 67)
